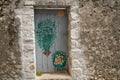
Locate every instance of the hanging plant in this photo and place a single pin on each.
(59, 60)
(46, 34)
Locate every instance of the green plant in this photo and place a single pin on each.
(39, 73)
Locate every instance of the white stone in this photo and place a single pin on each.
(27, 22)
(30, 67)
(74, 34)
(75, 9)
(28, 41)
(74, 24)
(75, 63)
(27, 34)
(61, 2)
(74, 44)
(27, 11)
(28, 47)
(76, 53)
(76, 72)
(28, 54)
(29, 2)
(74, 16)
(72, 2)
(51, 2)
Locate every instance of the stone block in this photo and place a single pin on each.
(76, 54)
(75, 63)
(28, 54)
(61, 2)
(74, 9)
(41, 2)
(29, 76)
(74, 44)
(28, 34)
(29, 2)
(27, 27)
(76, 73)
(27, 22)
(74, 24)
(72, 2)
(28, 47)
(74, 33)
(30, 68)
(28, 41)
(51, 2)
(74, 16)
(27, 11)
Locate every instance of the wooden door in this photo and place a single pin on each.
(59, 17)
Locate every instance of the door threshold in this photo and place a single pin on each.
(54, 76)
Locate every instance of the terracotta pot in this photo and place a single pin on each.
(47, 53)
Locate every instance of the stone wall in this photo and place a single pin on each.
(10, 56)
(94, 27)
(100, 38)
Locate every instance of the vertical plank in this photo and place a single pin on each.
(62, 33)
(44, 57)
(50, 66)
(39, 60)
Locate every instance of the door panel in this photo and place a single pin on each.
(43, 62)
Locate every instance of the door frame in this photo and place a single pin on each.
(29, 61)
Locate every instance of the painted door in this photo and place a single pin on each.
(59, 18)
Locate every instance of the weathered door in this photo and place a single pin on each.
(59, 17)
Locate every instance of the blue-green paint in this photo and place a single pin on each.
(46, 34)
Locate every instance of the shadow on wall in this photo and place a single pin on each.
(100, 34)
